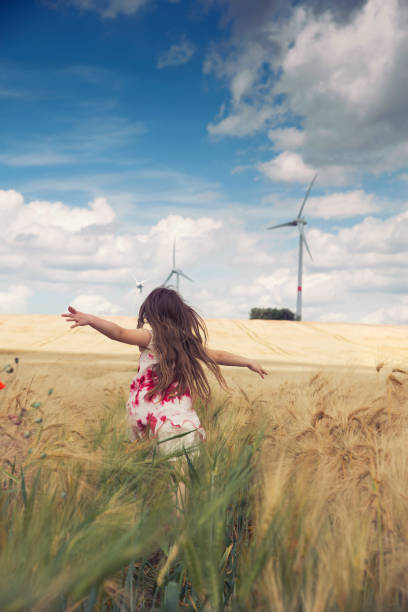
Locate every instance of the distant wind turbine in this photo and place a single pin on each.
(299, 222)
(139, 284)
(176, 271)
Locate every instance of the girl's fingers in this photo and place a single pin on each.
(70, 318)
(260, 370)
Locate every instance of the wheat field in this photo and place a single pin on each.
(296, 501)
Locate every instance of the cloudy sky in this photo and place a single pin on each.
(127, 123)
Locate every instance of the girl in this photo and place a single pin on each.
(170, 375)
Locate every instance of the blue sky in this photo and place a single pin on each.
(127, 123)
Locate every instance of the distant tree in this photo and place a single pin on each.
(272, 313)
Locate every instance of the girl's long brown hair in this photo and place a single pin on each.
(180, 338)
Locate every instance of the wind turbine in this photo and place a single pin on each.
(139, 284)
(299, 222)
(176, 271)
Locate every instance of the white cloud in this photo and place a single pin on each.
(287, 138)
(387, 236)
(339, 78)
(395, 314)
(362, 53)
(248, 69)
(342, 205)
(51, 240)
(249, 112)
(288, 167)
(233, 268)
(212, 305)
(34, 217)
(245, 121)
(376, 248)
(15, 300)
(291, 168)
(239, 169)
(178, 54)
(10, 202)
(345, 81)
(349, 291)
(96, 304)
(54, 244)
(273, 290)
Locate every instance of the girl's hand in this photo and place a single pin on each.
(80, 318)
(256, 367)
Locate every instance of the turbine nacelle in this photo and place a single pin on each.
(139, 284)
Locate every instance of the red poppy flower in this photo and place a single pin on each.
(14, 419)
(2, 385)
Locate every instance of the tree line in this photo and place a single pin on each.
(272, 313)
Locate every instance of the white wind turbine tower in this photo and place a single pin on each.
(176, 271)
(299, 222)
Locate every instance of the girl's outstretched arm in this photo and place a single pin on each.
(140, 337)
(225, 358)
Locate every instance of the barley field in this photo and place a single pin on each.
(297, 501)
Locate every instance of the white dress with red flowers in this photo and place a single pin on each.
(161, 418)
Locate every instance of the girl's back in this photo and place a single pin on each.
(161, 415)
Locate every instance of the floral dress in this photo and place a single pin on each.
(161, 418)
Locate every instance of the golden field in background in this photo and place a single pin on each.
(85, 361)
(327, 497)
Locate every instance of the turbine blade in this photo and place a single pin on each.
(185, 276)
(137, 281)
(306, 196)
(168, 278)
(302, 233)
(282, 225)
